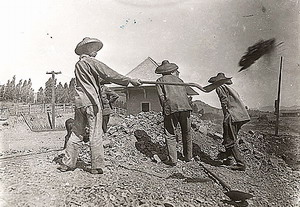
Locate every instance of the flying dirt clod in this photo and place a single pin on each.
(255, 52)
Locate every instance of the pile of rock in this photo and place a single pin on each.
(144, 132)
(140, 137)
(135, 141)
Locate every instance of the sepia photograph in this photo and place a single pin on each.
(150, 103)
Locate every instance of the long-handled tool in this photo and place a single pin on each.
(234, 195)
(205, 89)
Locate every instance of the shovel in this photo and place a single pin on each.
(205, 89)
(235, 195)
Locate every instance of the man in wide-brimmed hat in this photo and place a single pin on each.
(235, 115)
(90, 73)
(176, 109)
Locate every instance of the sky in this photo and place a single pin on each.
(203, 37)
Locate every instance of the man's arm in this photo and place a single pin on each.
(110, 75)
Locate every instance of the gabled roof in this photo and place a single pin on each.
(145, 70)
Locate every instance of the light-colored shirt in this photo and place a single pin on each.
(89, 74)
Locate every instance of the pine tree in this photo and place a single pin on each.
(48, 90)
(72, 91)
(23, 91)
(59, 93)
(40, 95)
(2, 89)
(13, 89)
(18, 91)
(66, 93)
(6, 91)
(9, 92)
(30, 92)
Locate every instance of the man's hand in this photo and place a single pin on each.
(135, 82)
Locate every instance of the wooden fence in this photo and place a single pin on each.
(40, 108)
(19, 109)
(36, 116)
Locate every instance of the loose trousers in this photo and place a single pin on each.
(85, 117)
(230, 133)
(170, 123)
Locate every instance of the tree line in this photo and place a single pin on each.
(22, 92)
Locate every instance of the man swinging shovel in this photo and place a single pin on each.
(176, 108)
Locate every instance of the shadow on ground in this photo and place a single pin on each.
(204, 157)
(149, 148)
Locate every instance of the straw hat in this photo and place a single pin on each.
(220, 76)
(88, 45)
(166, 67)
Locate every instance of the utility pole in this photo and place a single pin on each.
(277, 102)
(53, 96)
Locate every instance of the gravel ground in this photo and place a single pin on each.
(134, 174)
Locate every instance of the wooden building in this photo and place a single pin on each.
(145, 97)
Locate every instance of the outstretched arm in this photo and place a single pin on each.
(110, 75)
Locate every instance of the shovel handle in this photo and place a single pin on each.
(175, 84)
(205, 89)
(215, 177)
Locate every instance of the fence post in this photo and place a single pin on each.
(29, 108)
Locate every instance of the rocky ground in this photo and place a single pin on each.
(134, 174)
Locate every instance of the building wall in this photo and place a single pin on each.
(136, 96)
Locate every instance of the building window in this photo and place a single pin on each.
(145, 107)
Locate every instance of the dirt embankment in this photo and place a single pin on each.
(134, 175)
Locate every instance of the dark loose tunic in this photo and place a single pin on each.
(173, 98)
(235, 115)
(231, 101)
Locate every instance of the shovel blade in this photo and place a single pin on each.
(238, 195)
